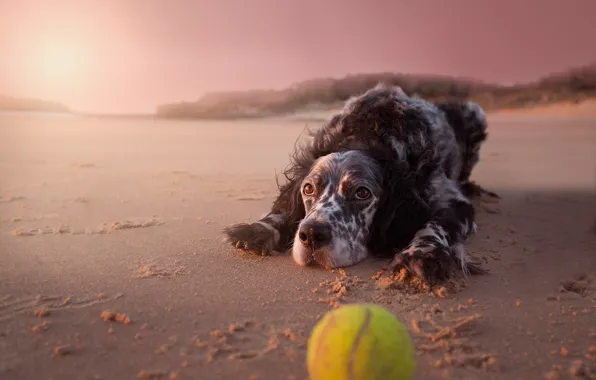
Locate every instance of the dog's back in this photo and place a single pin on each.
(468, 121)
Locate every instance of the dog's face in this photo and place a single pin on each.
(340, 196)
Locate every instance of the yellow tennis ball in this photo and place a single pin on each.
(360, 342)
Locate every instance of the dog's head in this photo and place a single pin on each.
(340, 194)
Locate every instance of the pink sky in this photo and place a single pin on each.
(130, 55)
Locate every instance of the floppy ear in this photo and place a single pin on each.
(289, 202)
(289, 199)
(401, 210)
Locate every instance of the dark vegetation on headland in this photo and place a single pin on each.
(321, 94)
(8, 103)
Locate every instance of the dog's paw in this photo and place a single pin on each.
(432, 264)
(252, 237)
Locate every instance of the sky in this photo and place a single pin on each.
(127, 56)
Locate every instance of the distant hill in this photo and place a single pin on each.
(326, 93)
(8, 103)
(318, 93)
(573, 85)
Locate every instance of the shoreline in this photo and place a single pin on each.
(586, 107)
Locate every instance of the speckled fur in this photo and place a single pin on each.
(414, 156)
(337, 176)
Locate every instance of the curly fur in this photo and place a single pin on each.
(416, 159)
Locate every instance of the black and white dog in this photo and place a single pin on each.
(388, 176)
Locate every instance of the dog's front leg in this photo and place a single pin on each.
(265, 236)
(436, 247)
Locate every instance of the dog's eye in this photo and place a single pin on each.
(362, 193)
(308, 189)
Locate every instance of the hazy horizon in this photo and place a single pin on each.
(128, 57)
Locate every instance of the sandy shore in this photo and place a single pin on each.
(585, 107)
(125, 217)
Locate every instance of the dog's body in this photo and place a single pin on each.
(384, 177)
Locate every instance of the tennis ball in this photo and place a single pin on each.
(360, 342)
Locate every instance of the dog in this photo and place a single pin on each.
(388, 176)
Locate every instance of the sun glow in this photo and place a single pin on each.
(60, 60)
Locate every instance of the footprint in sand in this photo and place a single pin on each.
(582, 286)
(137, 222)
(452, 341)
(104, 228)
(247, 341)
(11, 199)
(43, 306)
(154, 271)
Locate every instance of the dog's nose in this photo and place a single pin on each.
(314, 234)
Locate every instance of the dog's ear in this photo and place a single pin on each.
(401, 210)
(289, 202)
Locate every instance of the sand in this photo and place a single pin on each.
(583, 108)
(112, 265)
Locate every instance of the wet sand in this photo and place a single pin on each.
(124, 216)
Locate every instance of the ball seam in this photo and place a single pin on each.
(361, 331)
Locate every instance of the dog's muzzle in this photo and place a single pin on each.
(314, 234)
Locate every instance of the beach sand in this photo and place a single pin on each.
(112, 264)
